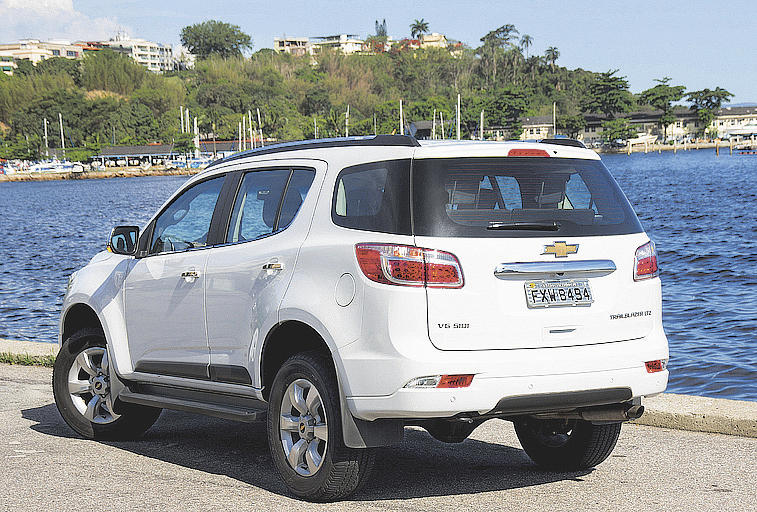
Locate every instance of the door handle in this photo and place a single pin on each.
(190, 274)
(273, 266)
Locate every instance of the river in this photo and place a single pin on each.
(701, 210)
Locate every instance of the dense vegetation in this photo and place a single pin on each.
(107, 98)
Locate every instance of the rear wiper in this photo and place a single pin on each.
(550, 225)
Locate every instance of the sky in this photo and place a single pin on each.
(697, 43)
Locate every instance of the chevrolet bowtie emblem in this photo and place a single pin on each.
(560, 249)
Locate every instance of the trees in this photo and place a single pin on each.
(381, 29)
(492, 50)
(215, 38)
(571, 125)
(661, 97)
(617, 129)
(609, 95)
(107, 70)
(706, 104)
(552, 54)
(525, 43)
(418, 28)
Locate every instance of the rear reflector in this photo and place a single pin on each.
(455, 381)
(406, 265)
(645, 262)
(527, 152)
(657, 365)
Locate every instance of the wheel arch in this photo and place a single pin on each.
(276, 349)
(77, 317)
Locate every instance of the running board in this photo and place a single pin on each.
(222, 406)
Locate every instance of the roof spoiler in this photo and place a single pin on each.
(564, 142)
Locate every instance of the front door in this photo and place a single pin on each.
(164, 291)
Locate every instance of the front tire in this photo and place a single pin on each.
(567, 445)
(305, 432)
(81, 387)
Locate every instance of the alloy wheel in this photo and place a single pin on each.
(303, 427)
(89, 385)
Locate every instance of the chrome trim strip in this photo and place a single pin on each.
(576, 267)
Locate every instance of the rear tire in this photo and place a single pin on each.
(305, 432)
(567, 445)
(81, 387)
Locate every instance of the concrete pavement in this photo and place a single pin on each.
(188, 462)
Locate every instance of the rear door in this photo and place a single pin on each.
(546, 247)
(247, 276)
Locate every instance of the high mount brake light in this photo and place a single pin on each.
(645, 262)
(406, 265)
(527, 152)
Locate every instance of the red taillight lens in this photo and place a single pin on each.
(657, 365)
(645, 262)
(455, 381)
(407, 265)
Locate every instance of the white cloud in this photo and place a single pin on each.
(52, 19)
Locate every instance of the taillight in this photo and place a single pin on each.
(406, 265)
(645, 262)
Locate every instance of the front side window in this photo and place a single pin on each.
(186, 222)
(259, 210)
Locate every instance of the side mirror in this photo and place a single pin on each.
(123, 240)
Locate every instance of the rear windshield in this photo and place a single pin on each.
(518, 197)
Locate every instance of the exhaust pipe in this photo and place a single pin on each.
(615, 412)
(622, 412)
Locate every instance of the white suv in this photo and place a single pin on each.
(346, 288)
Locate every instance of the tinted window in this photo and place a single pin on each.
(374, 197)
(259, 210)
(186, 222)
(489, 197)
(297, 189)
(257, 205)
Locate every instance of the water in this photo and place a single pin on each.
(698, 208)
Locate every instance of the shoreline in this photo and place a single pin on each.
(123, 172)
(667, 410)
(138, 172)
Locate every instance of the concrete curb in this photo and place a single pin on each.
(30, 348)
(668, 410)
(701, 414)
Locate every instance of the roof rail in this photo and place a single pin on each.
(564, 142)
(369, 140)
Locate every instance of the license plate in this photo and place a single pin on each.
(562, 292)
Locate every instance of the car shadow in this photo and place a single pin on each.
(419, 467)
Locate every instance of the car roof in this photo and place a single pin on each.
(556, 148)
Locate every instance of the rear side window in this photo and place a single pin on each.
(518, 197)
(374, 197)
(259, 209)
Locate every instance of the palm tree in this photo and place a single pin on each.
(552, 54)
(418, 28)
(525, 43)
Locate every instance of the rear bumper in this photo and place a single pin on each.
(512, 395)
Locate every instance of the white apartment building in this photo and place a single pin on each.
(36, 51)
(346, 43)
(298, 46)
(156, 57)
(434, 40)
